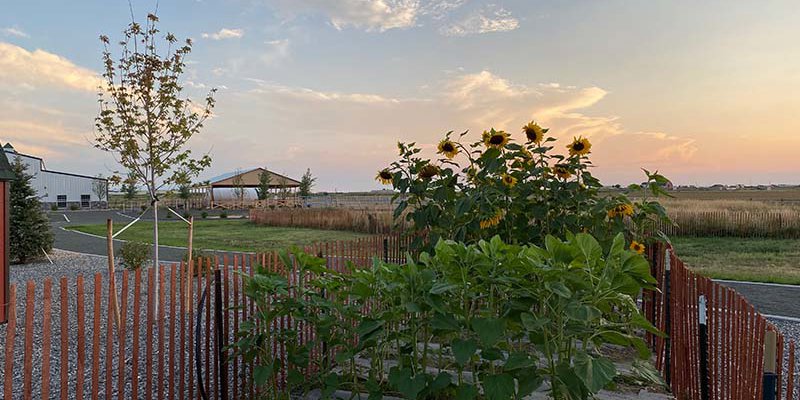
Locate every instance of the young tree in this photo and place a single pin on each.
(129, 186)
(306, 183)
(100, 187)
(239, 191)
(144, 120)
(262, 191)
(29, 230)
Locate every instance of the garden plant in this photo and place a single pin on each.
(521, 273)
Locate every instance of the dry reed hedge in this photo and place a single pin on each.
(721, 223)
(340, 219)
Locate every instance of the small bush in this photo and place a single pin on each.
(143, 207)
(204, 215)
(200, 268)
(74, 207)
(169, 215)
(54, 207)
(223, 215)
(135, 255)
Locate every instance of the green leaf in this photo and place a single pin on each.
(498, 387)
(463, 350)
(262, 373)
(528, 380)
(466, 392)
(532, 323)
(518, 360)
(444, 323)
(489, 330)
(583, 312)
(595, 373)
(558, 288)
(442, 381)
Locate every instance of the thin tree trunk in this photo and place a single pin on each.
(156, 264)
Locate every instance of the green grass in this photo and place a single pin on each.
(760, 260)
(231, 235)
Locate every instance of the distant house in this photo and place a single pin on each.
(59, 189)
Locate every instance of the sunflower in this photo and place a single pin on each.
(562, 171)
(496, 139)
(637, 247)
(448, 148)
(580, 146)
(428, 171)
(534, 132)
(385, 177)
(494, 220)
(620, 210)
(509, 180)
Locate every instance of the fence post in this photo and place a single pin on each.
(667, 318)
(770, 377)
(703, 328)
(386, 249)
(222, 358)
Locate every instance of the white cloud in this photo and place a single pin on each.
(306, 94)
(224, 33)
(11, 31)
(39, 68)
(486, 20)
(372, 15)
(276, 50)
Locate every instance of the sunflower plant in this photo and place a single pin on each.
(520, 187)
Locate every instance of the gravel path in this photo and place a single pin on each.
(791, 331)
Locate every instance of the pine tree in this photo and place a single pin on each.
(30, 230)
(307, 183)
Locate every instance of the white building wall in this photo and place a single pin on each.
(50, 184)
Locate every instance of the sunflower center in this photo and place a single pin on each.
(448, 147)
(496, 139)
(578, 146)
(386, 175)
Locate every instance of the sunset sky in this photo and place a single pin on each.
(706, 92)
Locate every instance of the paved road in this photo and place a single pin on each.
(782, 300)
(82, 243)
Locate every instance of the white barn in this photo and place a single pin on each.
(60, 189)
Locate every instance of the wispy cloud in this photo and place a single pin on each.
(276, 50)
(372, 15)
(486, 20)
(224, 33)
(11, 31)
(39, 68)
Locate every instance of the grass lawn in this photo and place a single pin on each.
(761, 260)
(232, 235)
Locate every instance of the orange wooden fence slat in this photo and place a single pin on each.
(98, 284)
(47, 299)
(135, 333)
(172, 317)
(64, 350)
(110, 317)
(81, 339)
(27, 367)
(148, 384)
(161, 316)
(123, 321)
(11, 334)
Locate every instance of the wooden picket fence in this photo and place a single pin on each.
(716, 341)
(72, 341)
(66, 344)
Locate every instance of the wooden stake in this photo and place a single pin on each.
(188, 298)
(770, 340)
(112, 287)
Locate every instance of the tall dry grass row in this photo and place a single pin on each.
(341, 219)
(722, 223)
